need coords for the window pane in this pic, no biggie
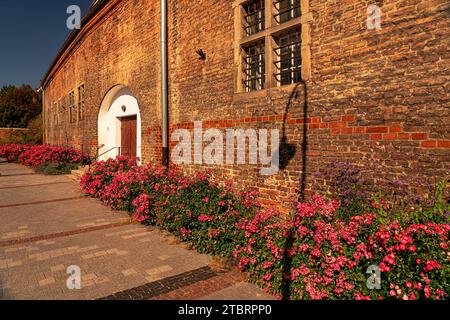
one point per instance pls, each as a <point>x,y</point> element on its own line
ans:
<point>80,113</point>
<point>290,62</point>
<point>287,10</point>
<point>254,67</point>
<point>254,17</point>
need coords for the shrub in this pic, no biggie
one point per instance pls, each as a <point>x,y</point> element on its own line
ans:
<point>101,175</point>
<point>55,168</point>
<point>407,198</point>
<point>321,251</point>
<point>12,151</point>
<point>317,255</point>
<point>45,159</point>
<point>36,155</point>
<point>198,210</point>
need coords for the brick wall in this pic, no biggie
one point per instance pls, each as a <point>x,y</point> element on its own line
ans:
<point>121,49</point>
<point>378,99</point>
<point>7,133</point>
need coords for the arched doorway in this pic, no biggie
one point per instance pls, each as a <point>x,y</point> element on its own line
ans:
<point>119,125</point>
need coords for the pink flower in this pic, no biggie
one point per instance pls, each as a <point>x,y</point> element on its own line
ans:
<point>427,291</point>
<point>384,267</point>
<point>204,218</point>
<point>412,248</point>
<point>431,265</point>
<point>206,200</point>
<point>268,277</point>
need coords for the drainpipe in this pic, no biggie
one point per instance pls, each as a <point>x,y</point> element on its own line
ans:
<point>164,86</point>
<point>41,89</point>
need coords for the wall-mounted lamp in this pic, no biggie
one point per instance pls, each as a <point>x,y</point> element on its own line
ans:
<point>201,54</point>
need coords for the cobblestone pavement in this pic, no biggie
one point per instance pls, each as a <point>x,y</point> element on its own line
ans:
<point>47,225</point>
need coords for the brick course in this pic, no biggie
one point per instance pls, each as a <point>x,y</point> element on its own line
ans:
<point>374,97</point>
<point>7,133</point>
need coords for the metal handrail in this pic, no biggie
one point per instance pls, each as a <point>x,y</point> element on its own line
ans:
<point>99,147</point>
<point>119,148</point>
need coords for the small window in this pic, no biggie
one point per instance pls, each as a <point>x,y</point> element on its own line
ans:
<point>81,103</point>
<point>287,10</point>
<point>72,107</point>
<point>62,109</point>
<point>59,111</point>
<point>254,17</point>
<point>289,63</point>
<point>254,67</point>
<point>55,114</point>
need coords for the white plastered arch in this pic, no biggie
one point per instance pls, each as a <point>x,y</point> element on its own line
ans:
<point>118,103</point>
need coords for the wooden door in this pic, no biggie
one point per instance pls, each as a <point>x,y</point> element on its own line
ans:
<point>129,137</point>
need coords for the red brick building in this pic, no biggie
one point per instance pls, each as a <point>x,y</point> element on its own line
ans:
<point>339,87</point>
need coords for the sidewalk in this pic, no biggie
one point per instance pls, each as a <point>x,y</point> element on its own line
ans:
<point>47,225</point>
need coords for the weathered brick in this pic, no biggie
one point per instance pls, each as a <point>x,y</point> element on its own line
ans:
<point>390,136</point>
<point>429,144</point>
<point>363,84</point>
<point>419,136</point>
<point>376,136</point>
<point>377,130</point>
<point>443,144</point>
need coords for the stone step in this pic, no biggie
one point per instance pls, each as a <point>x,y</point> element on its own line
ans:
<point>77,174</point>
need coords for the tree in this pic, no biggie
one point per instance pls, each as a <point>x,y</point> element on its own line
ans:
<point>18,106</point>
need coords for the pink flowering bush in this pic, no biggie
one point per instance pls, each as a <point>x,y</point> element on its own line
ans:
<point>321,251</point>
<point>203,212</point>
<point>101,174</point>
<point>319,254</point>
<point>37,155</point>
<point>43,156</point>
<point>198,209</point>
<point>11,152</point>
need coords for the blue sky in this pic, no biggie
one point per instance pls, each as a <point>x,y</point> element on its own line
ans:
<point>31,33</point>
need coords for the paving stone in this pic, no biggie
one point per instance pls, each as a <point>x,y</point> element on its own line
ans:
<point>129,272</point>
<point>46,282</point>
<point>117,260</point>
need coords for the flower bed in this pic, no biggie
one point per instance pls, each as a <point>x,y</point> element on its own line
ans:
<point>42,156</point>
<point>329,257</point>
<point>320,252</point>
<point>198,209</point>
<point>11,152</point>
